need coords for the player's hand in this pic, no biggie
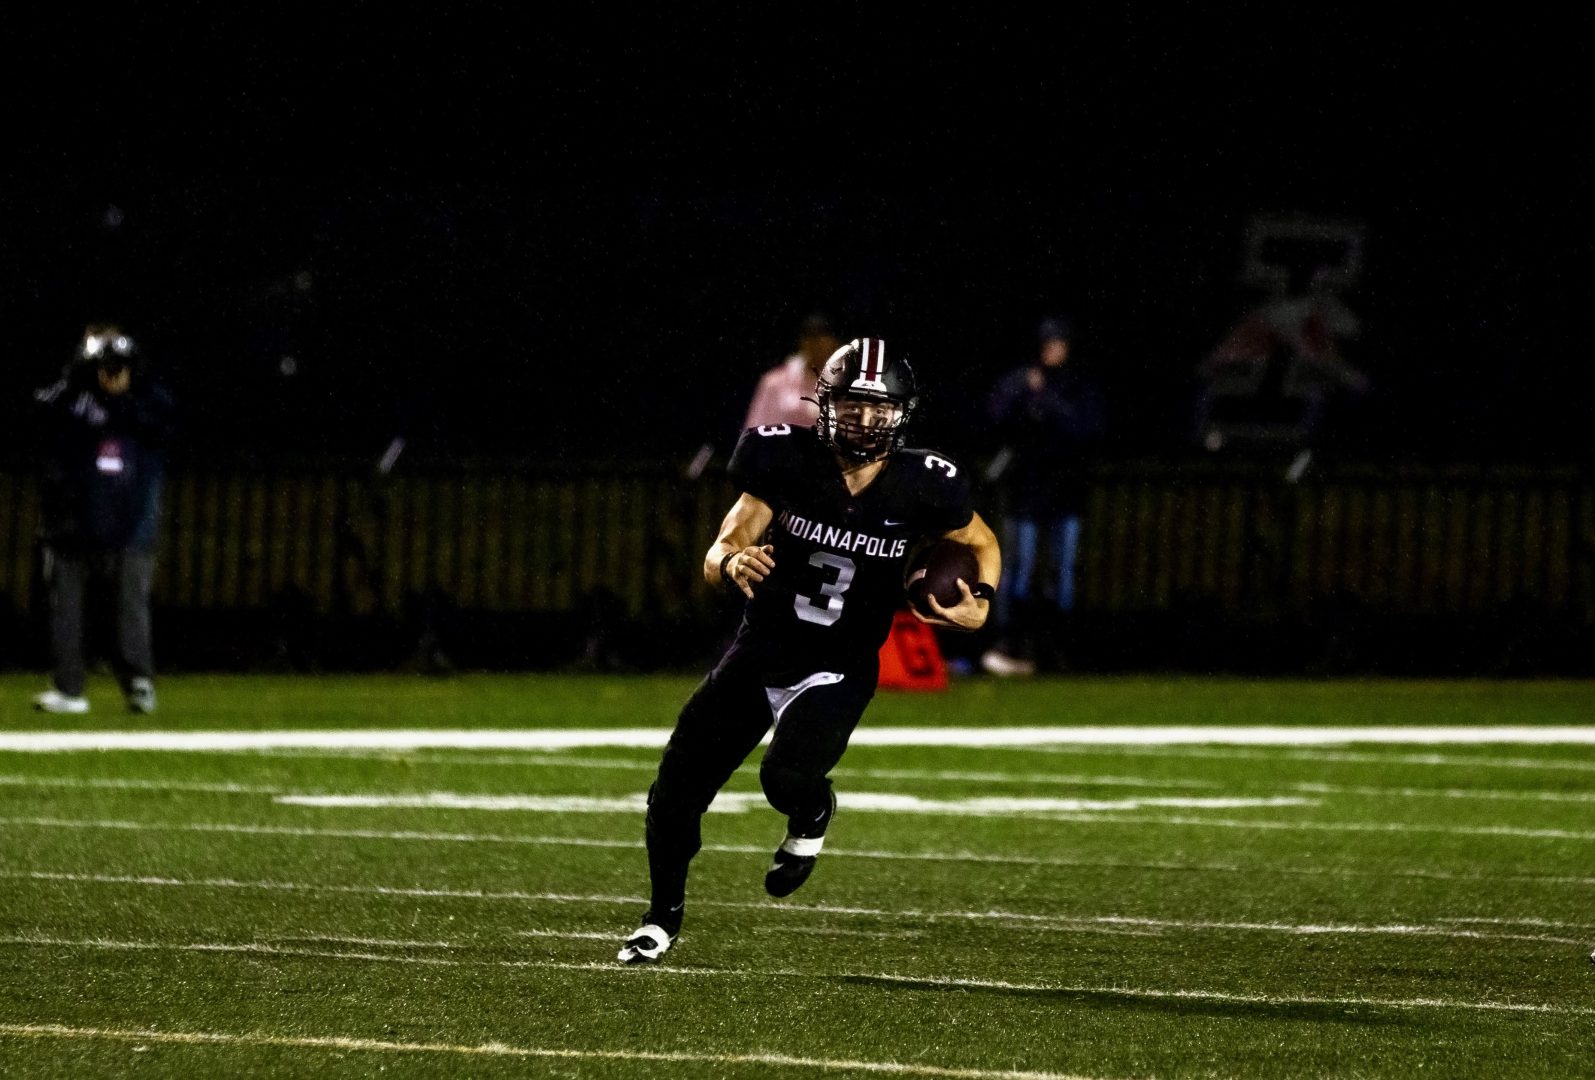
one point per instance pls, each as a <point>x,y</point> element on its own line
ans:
<point>968,615</point>
<point>750,566</point>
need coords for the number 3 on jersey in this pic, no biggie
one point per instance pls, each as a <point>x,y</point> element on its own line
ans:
<point>826,608</point>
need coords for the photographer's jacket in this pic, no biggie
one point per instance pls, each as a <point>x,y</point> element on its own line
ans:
<point>104,460</point>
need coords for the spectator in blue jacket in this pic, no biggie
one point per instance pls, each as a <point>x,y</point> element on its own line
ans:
<point>1048,418</point>
<point>104,430</point>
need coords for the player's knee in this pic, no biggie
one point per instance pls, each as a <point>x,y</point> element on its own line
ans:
<point>672,827</point>
<point>669,804</point>
<point>787,789</point>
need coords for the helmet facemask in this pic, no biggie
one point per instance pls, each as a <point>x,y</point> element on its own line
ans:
<point>862,428</point>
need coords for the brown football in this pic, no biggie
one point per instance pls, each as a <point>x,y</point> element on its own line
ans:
<point>936,570</point>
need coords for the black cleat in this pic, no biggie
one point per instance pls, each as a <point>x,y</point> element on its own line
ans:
<point>795,858</point>
<point>788,872</point>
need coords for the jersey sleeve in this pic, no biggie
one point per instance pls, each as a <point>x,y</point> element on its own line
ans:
<point>764,461</point>
<point>945,492</point>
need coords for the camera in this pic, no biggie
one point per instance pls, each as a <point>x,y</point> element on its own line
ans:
<point>108,349</point>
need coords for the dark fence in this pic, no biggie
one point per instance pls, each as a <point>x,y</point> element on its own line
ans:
<point>1446,570</point>
<point>1197,564</point>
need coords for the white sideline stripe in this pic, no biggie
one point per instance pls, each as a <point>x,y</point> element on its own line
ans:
<point>765,974</point>
<point>749,849</point>
<point>1003,919</point>
<point>735,802</point>
<point>1345,756</point>
<point>503,1050</point>
<point>560,738</point>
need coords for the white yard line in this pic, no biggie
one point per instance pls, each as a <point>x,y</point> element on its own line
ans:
<point>1332,826</point>
<point>345,1044</point>
<point>559,758</point>
<point>520,759</point>
<point>567,935</point>
<point>560,761</point>
<point>736,802</point>
<point>895,934</point>
<point>431,836</point>
<point>1352,757</point>
<point>1085,924</point>
<point>1526,921</point>
<point>988,777</point>
<point>130,784</point>
<point>391,739</point>
<point>654,738</point>
<point>223,948</point>
<point>1486,794</point>
<point>858,800</point>
<point>385,943</point>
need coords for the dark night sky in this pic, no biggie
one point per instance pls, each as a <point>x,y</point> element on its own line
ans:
<point>539,240</point>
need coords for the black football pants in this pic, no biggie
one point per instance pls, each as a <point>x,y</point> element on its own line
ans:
<point>814,716</point>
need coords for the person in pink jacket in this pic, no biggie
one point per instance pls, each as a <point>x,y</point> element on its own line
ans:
<point>782,391</point>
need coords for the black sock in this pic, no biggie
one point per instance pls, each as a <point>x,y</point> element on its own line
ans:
<point>666,916</point>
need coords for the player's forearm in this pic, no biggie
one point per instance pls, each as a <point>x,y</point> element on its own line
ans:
<point>714,557</point>
<point>739,531</point>
<point>988,554</point>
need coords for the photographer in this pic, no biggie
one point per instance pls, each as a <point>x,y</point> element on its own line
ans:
<point>104,427</point>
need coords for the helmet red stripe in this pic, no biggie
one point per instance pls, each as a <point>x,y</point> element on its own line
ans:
<point>873,359</point>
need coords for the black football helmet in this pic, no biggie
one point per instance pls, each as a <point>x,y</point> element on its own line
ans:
<point>866,397</point>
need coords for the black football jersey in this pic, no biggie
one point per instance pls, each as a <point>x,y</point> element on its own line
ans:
<point>839,557</point>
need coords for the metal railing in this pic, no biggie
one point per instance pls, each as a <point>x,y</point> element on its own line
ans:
<point>1411,541</point>
<point>1157,535</point>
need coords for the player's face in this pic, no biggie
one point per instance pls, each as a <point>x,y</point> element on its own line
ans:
<point>867,426</point>
<point>868,415</point>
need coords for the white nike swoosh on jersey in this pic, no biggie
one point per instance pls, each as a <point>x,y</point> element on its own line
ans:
<point>890,522</point>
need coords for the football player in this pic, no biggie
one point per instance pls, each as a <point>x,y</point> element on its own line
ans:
<point>818,541</point>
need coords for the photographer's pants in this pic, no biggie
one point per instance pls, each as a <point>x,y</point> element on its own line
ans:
<point>121,577</point>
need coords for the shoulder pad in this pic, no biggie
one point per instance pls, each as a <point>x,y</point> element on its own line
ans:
<point>764,458</point>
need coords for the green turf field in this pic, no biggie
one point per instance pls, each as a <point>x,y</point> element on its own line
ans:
<point>1362,909</point>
